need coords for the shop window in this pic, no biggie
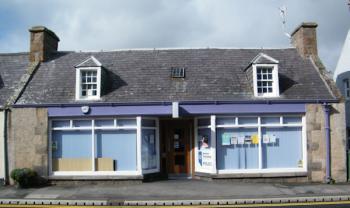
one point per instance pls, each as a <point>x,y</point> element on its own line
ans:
<point>247,120</point>
<point>82,123</point>
<point>226,121</point>
<point>71,151</point>
<point>126,122</point>
<point>148,123</point>
<point>115,150</point>
<point>282,147</point>
<point>203,122</point>
<point>149,149</point>
<point>237,148</point>
<point>291,120</point>
<point>61,124</point>
<point>104,123</point>
<point>270,120</point>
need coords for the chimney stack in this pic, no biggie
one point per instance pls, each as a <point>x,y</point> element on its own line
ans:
<point>43,42</point>
<point>304,39</point>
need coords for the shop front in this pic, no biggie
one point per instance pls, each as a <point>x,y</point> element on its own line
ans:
<point>212,145</point>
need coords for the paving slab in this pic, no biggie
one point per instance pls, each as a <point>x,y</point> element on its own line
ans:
<point>175,190</point>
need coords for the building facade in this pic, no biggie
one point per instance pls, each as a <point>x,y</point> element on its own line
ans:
<point>247,114</point>
<point>342,76</point>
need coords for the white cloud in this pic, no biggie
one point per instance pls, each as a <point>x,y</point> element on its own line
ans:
<point>107,24</point>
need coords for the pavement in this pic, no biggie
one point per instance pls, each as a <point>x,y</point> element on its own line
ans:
<point>188,191</point>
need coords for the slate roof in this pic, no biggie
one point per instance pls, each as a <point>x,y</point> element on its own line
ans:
<point>144,76</point>
<point>12,68</point>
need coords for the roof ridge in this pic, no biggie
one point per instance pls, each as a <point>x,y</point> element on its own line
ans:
<point>181,48</point>
<point>14,54</point>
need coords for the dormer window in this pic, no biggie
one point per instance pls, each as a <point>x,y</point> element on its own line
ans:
<point>265,76</point>
<point>88,80</point>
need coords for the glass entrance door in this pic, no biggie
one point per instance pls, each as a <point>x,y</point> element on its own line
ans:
<point>176,146</point>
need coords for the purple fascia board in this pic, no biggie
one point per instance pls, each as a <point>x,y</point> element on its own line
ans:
<point>242,109</point>
<point>154,110</point>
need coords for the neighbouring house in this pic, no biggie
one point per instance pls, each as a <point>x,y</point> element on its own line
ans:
<point>252,114</point>
<point>342,78</point>
<point>13,78</point>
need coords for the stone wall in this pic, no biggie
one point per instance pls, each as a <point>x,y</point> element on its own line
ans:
<point>28,139</point>
<point>316,142</point>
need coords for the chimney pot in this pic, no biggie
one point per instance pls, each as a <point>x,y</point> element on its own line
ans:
<point>305,40</point>
<point>43,42</point>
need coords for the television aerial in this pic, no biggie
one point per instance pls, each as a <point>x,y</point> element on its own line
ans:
<point>283,14</point>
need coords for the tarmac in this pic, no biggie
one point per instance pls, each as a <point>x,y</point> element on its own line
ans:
<point>176,192</point>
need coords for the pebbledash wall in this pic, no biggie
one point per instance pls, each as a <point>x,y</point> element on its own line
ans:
<point>29,136</point>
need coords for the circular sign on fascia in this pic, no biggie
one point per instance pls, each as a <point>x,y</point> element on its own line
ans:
<point>85,109</point>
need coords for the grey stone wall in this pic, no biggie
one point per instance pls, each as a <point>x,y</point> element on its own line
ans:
<point>316,142</point>
<point>28,139</point>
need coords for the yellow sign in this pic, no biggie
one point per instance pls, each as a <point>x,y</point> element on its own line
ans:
<point>255,139</point>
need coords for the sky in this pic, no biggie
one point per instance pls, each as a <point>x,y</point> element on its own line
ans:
<point>93,25</point>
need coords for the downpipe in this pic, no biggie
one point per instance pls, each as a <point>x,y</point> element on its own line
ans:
<point>326,110</point>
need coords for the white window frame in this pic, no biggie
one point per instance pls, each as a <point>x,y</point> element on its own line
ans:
<point>346,83</point>
<point>259,127</point>
<point>78,83</point>
<point>137,127</point>
<point>275,80</point>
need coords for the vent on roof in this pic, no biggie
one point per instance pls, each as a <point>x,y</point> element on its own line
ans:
<point>177,72</point>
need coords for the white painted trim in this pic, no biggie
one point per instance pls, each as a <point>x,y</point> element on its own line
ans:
<point>213,142</point>
<point>78,88</point>
<point>260,144</point>
<point>346,88</point>
<point>304,143</point>
<point>96,173</point>
<point>98,64</point>
<point>138,145</point>
<point>93,149</point>
<point>275,81</point>
<point>260,55</point>
<point>271,170</point>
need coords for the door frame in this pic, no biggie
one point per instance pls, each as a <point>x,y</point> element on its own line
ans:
<point>164,144</point>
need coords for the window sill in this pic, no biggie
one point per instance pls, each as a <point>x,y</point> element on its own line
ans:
<point>97,177</point>
<point>253,175</point>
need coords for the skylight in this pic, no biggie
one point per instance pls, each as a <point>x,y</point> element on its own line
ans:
<point>178,72</point>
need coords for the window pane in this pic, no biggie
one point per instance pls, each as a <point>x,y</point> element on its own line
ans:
<point>126,122</point>
<point>204,122</point>
<point>104,123</point>
<point>226,121</point>
<point>149,150</point>
<point>237,148</point>
<point>71,151</point>
<point>82,123</point>
<point>60,123</point>
<point>247,120</point>
<point>148,123</point>
<point>270,120</point>
<point>292,120</point>
<point>204,138</point>
<point>282,147</point>
<point>116,150</point>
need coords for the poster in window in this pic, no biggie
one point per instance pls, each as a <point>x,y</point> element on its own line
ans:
<point>204,142</point>
<point>273,138</point>
<point>247,139</point>
<point>226,139</point>
<point>255,139</point>
<point>241,140</point>
<point>151,139</point>
<point>266,139</point>
<point>234,140</point>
